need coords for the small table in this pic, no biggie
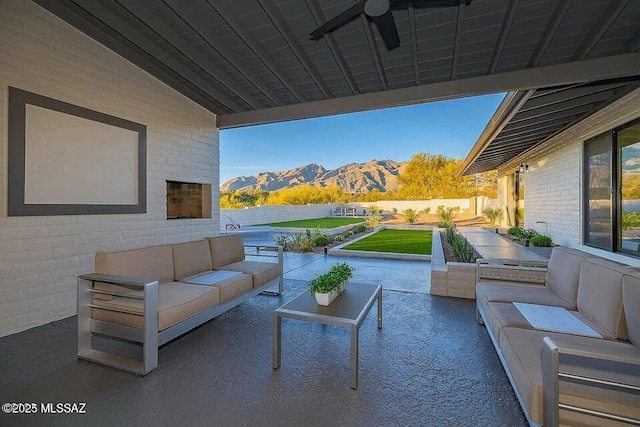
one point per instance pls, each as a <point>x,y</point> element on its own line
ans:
<point>348,310</point>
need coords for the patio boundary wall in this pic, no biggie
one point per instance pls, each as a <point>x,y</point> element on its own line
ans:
<point>276,213</point>
<point>40,257</point>
<point>418,205</point>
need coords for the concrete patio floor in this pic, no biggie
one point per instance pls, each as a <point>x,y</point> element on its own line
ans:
<point>430,365</point>
<point>399,275</point>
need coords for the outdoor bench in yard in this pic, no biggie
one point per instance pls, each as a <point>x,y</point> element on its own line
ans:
<point>153,295</point>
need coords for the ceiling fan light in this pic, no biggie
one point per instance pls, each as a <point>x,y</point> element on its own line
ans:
<point>375,8</point>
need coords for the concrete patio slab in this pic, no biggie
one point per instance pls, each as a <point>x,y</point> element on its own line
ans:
<point>400,275</point>
<point>430,365</point>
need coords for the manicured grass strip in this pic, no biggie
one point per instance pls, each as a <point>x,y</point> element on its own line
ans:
<point>317,223</point>
<point>396,241</point>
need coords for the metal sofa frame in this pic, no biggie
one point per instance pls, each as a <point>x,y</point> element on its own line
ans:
<point>149,336</point>
<point>553,374</point>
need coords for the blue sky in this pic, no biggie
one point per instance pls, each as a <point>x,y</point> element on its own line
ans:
<point>446,127</point>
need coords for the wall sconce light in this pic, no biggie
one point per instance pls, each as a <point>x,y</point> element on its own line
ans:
<point>523,168</point>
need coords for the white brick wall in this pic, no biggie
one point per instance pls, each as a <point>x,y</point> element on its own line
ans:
<point>552,195</point>
<point>40,257</point>
<point>553,184</point>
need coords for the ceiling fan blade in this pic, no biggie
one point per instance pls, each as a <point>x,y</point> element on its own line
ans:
<point>429,3</point>
<point>338,21</point>
<point>388,30</point>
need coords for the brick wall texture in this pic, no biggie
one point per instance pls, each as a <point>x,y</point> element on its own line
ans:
<point>553,183</point>
<point>40,257</point>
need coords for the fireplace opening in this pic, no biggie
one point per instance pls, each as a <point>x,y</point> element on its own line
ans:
<point>188,200</point>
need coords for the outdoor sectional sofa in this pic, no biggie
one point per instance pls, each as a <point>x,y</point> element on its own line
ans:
<point>155,294</point>
<point>564,378</point>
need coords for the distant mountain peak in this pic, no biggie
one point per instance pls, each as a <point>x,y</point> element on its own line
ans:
<point>379,175</point>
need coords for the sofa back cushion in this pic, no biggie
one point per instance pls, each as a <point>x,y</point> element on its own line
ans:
<point>563,273</point>
<point>226,249</point>
<point>191,258</point>
<point>631,303</point>
<point>155,263</point>
<point>600,294</point>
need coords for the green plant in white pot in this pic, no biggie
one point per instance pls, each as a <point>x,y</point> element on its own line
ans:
<point>326,287</point>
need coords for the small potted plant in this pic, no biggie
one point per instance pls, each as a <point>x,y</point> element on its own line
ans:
<point>326,287</point>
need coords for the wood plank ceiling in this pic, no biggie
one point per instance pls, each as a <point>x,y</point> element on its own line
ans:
<point>234,56</point>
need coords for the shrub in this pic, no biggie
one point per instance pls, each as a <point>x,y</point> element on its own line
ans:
<point>446,215</point>
<point>540,241</point>
<point>462,250</point>
<point>449,235</point>
<point>372,220</point>
<point>317,232</point>
<point>282,240</point>
<point>338,239</point>
<point>493,215</point>
<point>426,211</point>
<point>527,234</point>
<point>395,210</point>
<point>360,228</point>
<point>410,215</point>
<point>322,240</point>
<point>302,242</point>
<point>347,234</point>
<point>514,231</point>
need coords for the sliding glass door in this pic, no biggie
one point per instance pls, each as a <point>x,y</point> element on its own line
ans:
<point>598,192</point>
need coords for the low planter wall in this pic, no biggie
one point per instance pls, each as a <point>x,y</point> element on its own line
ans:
<point>450,279</point>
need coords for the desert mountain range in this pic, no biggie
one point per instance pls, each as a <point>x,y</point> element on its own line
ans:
<point>352,178</point>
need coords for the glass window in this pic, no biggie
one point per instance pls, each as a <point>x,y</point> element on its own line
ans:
<point>628,143</point>
<point>598,200</point>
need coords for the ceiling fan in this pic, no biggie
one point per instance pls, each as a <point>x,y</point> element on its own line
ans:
<point>379,11</point>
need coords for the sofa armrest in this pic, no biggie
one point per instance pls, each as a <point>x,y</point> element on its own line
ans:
<point>134,282</point>
<point>528,272</point>
<point>552,374</point>
<point>148,336</point>
<point>272,251</point>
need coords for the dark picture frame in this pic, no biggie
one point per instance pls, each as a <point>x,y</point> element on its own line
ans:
<point>18,101</point>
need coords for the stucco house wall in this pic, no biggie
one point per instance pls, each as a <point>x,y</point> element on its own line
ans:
<point>40,257</point>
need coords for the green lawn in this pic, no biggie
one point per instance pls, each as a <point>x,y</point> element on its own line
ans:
<point>396,241</point>
<point>317,223</point>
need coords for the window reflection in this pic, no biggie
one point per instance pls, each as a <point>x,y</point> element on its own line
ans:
<point>629,167</point>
